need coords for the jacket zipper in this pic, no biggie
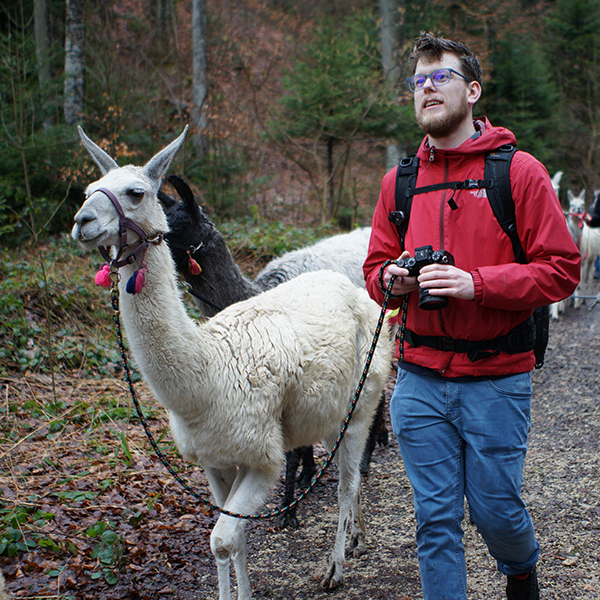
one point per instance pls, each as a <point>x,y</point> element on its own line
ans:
<point>442,202</point>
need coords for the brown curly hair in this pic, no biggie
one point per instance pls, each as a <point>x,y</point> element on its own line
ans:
<point>430,47</point>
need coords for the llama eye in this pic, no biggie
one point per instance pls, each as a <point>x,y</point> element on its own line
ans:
<point>136,193</point>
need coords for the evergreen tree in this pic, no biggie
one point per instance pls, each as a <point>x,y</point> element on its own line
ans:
<point>521,96</point>
<point>573,37</point>
<point>334,95</point>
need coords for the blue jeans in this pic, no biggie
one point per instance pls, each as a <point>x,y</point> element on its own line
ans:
<point>465,439</point>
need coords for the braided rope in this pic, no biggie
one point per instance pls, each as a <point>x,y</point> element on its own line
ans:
<point>164,460</point>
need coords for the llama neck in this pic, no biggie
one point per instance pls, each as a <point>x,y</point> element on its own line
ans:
<point>221,281</point>
<point>164,340</point>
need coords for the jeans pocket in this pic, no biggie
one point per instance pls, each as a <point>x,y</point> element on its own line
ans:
<point>401,374</point>
<point>513,385</point>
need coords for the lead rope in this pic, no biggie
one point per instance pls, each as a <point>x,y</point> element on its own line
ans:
<point>164,460</point>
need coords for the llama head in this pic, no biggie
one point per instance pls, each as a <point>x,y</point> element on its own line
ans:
<point>190,230</point>
<point>576,203</point>
<point>135,188</point>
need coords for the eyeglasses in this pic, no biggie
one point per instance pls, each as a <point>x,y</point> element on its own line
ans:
<point>438,78</point>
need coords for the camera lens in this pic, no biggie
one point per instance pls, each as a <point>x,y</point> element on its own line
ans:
<point>429,302</point>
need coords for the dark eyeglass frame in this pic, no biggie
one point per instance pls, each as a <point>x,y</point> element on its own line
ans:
<point>413,87</point>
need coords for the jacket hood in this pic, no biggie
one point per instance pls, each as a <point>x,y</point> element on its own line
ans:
<point>491,138</point>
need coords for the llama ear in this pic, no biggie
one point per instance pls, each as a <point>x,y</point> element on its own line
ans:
<point>101,158</point>
<point>557,177</point>
<point>155,168</point>
<point>570,196</point>
<point>186,194</point>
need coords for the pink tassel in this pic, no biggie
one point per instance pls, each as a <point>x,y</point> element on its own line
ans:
<point>139,281</point>
<point>193,267</point>
<point>103,276</point>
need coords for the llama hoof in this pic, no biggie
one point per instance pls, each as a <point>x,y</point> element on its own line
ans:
<point>288,519</point>
<point>356,547</point>
<point>332,580</point>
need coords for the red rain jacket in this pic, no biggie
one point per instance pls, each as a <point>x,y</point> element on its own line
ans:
<point>505,292</point>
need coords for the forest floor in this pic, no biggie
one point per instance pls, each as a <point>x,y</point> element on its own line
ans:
<point>98,517</point>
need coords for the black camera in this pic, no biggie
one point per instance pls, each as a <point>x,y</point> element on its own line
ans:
<point>425,255</point>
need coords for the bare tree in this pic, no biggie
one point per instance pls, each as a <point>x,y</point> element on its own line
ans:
<point>393,40</point>
<point>42,41</point>
<point>164,23</point>
<point>74,61</point>
<point>42,52</point>
<point>199,76</point>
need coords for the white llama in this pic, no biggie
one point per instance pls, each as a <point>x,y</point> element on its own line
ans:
<point>215,281</point>
<point>575,224</point>
<point>265,375</point>
<point>589,246</point>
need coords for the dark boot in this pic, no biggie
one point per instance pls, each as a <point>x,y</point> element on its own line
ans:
<point>523,589</point>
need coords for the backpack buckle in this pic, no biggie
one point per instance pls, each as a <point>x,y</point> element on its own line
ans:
<point>472,184</point>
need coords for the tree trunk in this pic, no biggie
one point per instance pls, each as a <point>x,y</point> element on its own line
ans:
<point>42,41</point>
<point>74,61</point>
<point>42,52</point>
<point>393,40</point>
<point>199,77</point>
<point>164,27</point>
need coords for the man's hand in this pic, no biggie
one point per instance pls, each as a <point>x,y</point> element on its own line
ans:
<point>446,280</point>
<point>403,283</point>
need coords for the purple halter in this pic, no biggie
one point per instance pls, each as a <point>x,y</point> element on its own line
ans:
<point>125,224</point>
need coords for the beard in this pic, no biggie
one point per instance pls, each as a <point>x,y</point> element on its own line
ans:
<point>440,126</point>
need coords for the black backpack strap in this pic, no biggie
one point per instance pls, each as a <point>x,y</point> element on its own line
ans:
<point>497,178</point>
<point>406,181</point>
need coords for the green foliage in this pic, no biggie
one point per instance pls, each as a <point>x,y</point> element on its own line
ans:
<point>224,177</point>
<point>108,551</point>
<point>522,97</point>
<point>334,90</point>
<point>18,529</point>
<point>573,42</point>
<point>34,150</point>
<point>67,304</point>
<point>334,95</point>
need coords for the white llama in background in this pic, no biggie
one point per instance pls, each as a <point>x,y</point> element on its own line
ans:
<point>574,219</point>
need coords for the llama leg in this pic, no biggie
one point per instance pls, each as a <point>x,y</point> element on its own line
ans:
<point>348,461</point>
<point>221,482</point>
<point>308,466</point>
<point>288,519</point>
<point>377,432</point>
<point>556,308</point>
<point>358,533</point>
<point>228,538</point>
<point>358,530</point>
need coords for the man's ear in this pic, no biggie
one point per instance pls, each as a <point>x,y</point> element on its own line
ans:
<point>474,92</point>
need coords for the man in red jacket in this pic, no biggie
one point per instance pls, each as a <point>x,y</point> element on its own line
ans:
<point>462,417</point>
